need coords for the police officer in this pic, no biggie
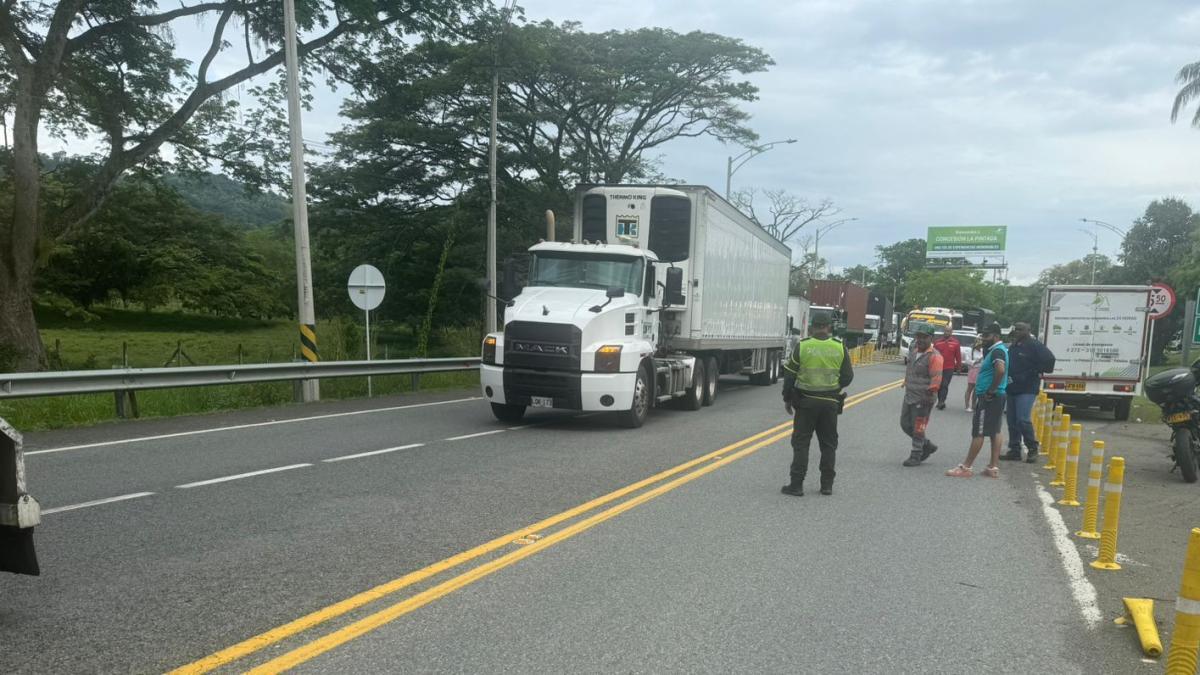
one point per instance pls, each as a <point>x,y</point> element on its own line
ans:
<point>814,376</point>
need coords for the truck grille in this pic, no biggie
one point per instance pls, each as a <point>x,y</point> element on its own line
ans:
<point>521,385</point>
<point>550,346</point>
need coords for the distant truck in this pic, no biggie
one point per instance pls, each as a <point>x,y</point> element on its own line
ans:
<point>1100,339</point>
<point>846,296</point>
<point>662,290</point>
<point>872,324</point>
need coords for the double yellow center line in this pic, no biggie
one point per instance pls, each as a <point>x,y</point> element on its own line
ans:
<point>531,536</point>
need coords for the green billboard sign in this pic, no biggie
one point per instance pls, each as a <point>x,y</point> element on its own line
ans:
<point>944,242</point>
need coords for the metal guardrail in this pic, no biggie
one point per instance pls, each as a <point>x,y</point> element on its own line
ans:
<point>20,385</point>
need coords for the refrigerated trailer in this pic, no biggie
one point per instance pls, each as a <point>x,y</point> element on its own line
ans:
<point>1100,339</point>
<point>661,290</point>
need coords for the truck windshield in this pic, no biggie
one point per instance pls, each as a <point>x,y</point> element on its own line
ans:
<point>590,271</point>
<point>871,324</point>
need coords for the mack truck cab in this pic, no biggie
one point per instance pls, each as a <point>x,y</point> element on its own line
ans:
<point>662,290</point>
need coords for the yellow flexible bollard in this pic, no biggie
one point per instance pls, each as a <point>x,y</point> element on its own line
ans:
<point>1044,447</point>
<point>1091,510</point>
<point>1112,516</point>
<point>1185,641</point>
<point>1141,612</point>
<point>1037,423</point>
<point>1071,496</point>
<point>1052,436</point>
<point>1060,451</point>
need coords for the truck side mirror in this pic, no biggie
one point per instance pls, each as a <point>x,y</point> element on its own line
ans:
<point>651,280</point>
<point>615,292</point>
<point>508,286</point>
<point>673,289</point>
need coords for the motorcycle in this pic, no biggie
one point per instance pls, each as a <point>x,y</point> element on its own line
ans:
<point>1174,391</point>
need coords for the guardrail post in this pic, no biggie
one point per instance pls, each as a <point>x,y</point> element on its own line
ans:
<point>19,512</point>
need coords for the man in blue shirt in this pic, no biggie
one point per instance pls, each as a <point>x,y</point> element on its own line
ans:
<point>1028,361</point>
<point>990,388</point>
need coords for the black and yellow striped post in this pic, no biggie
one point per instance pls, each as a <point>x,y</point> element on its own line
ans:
<point>308,342</point>
<point>308,390</point>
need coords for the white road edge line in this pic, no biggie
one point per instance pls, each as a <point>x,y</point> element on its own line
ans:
<point>253,425</point>
<point>482,433</point>
<point>1081,588</point>
<point>374,452</point>
<point>241,475</point>
<point>97,502</point>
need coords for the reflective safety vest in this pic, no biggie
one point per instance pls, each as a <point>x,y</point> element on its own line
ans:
<point>817,364</point>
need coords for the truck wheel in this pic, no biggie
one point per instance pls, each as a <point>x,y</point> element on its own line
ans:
<point>712,373</point>
<point>1122,409</point>
<point>508,413</point>
<point>640,407</point>
<point>694,398</point>
<point>775,367</point>
<point>1184,456</point>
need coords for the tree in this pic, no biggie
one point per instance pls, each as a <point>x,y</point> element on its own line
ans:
<point>898,261</point>
<point>1189,78</point>
<point>1080,271</point>
<point>574,106</point>
<point>1157,247</point>
<point>786,213</point>
<point>110,70</point>
<point>948,288</point>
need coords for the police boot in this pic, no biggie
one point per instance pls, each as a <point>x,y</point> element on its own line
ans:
<point>827,488</point>
<point>794,488</point>
<point>914,459</point>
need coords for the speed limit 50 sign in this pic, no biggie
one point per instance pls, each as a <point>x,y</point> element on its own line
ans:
<point>1162,301</point>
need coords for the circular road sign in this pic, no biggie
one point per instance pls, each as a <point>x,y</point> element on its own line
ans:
<point>366,287</point>
<point>1162,301</point>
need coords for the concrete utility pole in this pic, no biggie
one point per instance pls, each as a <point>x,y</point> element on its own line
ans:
<point>489,321</point>
<point>307,315</point>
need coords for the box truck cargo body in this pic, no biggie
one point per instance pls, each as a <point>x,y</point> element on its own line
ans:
<point>1100,338</point>
<point>662,290</point>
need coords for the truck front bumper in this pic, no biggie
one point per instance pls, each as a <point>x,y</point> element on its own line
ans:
<point>568,390</point>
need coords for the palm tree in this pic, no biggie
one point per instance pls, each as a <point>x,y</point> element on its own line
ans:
<point>1189,77</point>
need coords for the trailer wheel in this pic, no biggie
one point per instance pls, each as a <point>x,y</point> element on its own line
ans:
<point>640,407</point>
<point>712,373</point>
<point>1122,409</point>
<point>775,357</point>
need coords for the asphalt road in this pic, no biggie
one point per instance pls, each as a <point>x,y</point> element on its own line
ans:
<point>708,569</point>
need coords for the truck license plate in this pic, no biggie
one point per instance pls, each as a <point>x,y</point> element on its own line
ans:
<point>1178,417</point>
<point>1076,386</point>
<point>542,402</point>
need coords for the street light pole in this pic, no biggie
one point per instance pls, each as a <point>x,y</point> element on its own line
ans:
<point>825,228</point>
<point>310,389</point>
<point>753,151</point>
<point>1095,250</point>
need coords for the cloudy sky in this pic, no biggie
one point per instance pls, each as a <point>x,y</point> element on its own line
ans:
<point>912,113</point>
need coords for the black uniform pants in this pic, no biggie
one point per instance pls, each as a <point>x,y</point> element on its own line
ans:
<point>820,417</point>
<point>944,390</point>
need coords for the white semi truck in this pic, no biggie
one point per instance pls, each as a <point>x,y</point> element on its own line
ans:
<point>661,290</point>
<point>1100,339</point>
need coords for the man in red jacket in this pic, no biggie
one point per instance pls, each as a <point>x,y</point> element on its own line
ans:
<point>951,350</point>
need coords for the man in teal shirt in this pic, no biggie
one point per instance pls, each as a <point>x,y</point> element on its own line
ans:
<point>989,411</point>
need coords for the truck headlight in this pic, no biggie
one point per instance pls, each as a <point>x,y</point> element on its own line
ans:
<point>489,350</point>
<point>608,359</point>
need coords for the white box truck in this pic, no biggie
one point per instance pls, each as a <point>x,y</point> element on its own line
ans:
<point>662,290</point>
<point>1100,339</point>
